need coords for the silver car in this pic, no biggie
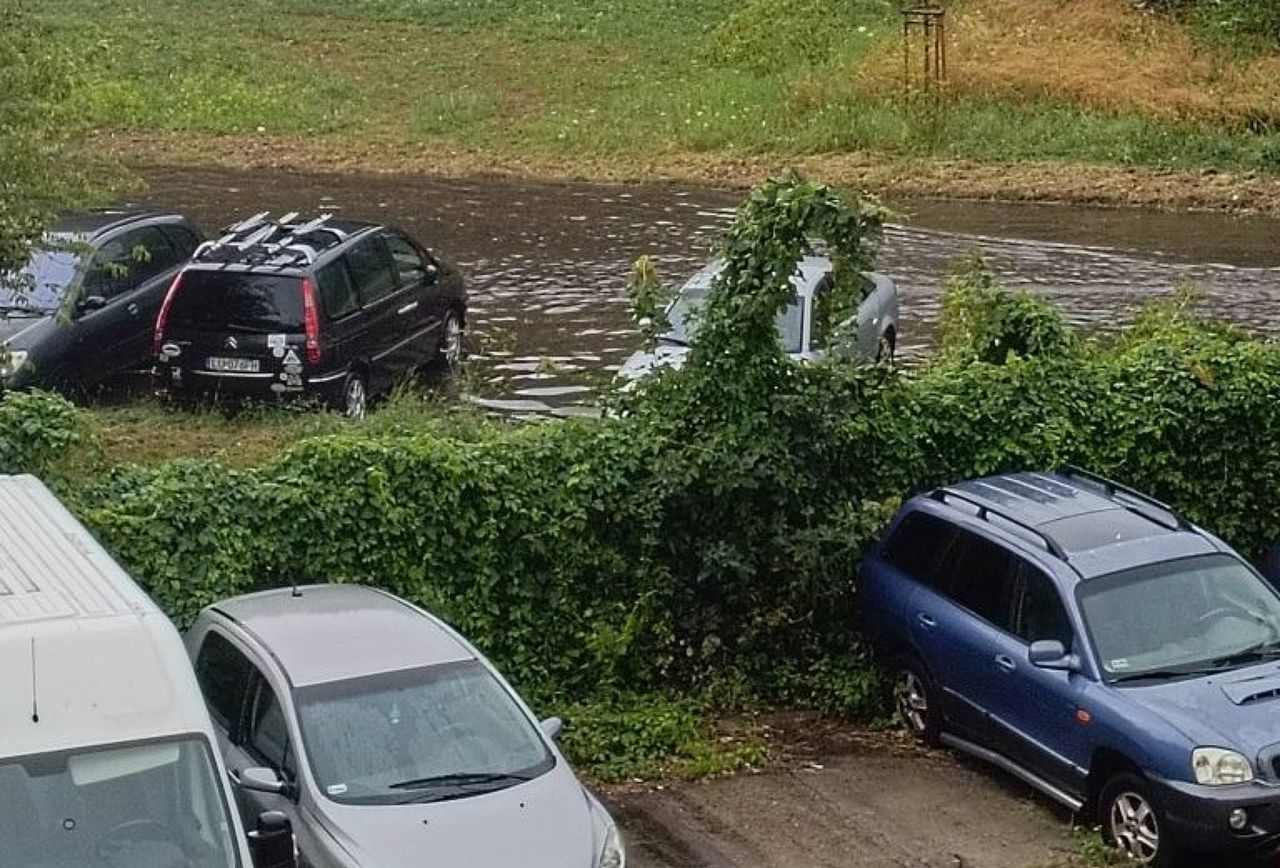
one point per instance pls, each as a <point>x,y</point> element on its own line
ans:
<point>386,738</point>
<point>871,334</point>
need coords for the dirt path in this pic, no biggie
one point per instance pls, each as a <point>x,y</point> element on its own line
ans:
<point>887,175</point>
<point>875,804</point>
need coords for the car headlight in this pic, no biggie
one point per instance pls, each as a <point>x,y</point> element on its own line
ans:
<point>11,361</point>
<point>612,855</point>
<point>1219,767</point>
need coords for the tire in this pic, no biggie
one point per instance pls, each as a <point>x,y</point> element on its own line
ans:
<point>449,353</point>
<point>1134,823</point>
<point>354,399</point>
<point>916,700</point>
<point>885,347</point>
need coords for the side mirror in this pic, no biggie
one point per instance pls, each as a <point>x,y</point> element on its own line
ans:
<point>1052,654</point>
<point>271,844</point>
<point>552,727</point>
<point>260,780</point>
<point>91,302</point>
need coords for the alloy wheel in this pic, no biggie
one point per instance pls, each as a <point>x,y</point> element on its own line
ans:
<point>357,400</point>
<point>452,341</point>
<point>913,701</point>
<point>1134,827</point>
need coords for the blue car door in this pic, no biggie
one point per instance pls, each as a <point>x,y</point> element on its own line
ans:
<point>960,626</point>
<point>1035,712</point>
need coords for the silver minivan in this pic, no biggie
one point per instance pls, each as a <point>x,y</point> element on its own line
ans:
<point>390,741</point>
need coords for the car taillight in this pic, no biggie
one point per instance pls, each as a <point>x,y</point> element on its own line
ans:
<point>157,340</point>
<point>311,321</point>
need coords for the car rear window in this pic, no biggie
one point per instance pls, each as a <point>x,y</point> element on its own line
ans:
<point>238,302</point>
<point>919,546</point>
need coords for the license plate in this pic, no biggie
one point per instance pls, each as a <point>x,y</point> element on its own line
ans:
<point>232,366</point>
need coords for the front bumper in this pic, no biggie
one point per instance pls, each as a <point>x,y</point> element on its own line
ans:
<point>1197,816</point>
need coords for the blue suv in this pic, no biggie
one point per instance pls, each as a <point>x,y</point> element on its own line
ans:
<point>1090,641</point>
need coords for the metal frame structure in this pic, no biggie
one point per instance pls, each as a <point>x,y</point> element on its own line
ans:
<point>931,23</point>
<point>259,240</point>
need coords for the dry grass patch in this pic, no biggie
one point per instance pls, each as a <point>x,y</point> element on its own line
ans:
<point>1100,54</point>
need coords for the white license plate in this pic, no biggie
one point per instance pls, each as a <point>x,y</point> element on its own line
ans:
<point>232,366</point>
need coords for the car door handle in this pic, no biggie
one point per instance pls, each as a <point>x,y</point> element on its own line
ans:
<point>1005,663</point>
<point>925,621</point>
<point>132,308</point>
<point>408,308</point>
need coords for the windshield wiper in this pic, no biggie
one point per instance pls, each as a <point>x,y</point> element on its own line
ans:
<point>460,778</point>
<point>1261,651</point>
<point>671,339</point>
<point>1163,674</point>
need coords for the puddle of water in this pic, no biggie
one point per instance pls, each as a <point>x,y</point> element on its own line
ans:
<point>547,263</point>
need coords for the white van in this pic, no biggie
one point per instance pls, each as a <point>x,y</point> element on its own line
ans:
<point>107,755</point>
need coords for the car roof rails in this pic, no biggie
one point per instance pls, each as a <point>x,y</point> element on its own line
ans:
<point>259,240</point>
<point>1131,499</point>
<point>986,512</point>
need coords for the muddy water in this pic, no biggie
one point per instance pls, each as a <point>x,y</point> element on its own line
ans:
<point>547,263</point>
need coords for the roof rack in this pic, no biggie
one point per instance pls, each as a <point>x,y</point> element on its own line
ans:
<point>985,513</point>
<point>259,240</point>
<point>1124,495</point>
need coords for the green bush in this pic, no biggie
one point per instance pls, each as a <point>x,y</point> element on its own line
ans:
<point>38,432</point>
<point>703,540</point>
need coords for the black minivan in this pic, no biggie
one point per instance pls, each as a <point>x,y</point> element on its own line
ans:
<point>328,308</point>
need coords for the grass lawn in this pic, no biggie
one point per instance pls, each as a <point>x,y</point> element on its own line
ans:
<point>632,80</point>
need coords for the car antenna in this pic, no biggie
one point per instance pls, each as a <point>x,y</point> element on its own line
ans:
<point>35,708</point>
<point>296,592</point>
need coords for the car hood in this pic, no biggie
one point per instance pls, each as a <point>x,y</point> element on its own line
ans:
<point>16,330</point>
<point>663,355</point>
<point>1238,709</point>
<point>545,823</point>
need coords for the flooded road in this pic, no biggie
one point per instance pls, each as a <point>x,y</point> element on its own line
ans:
<point>547,262</point>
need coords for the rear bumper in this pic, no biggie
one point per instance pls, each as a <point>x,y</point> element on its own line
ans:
<point>1197,816</point>
<point>188,384</point>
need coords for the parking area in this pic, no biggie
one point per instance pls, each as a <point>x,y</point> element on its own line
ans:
<point>843,798</point>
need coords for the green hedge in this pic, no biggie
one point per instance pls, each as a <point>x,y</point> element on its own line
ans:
<point>703,540</point>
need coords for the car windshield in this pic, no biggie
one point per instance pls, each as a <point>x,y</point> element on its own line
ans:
<point>41,284</point>
<point>154,804</point>
<point>237,301</point>
<point>682,316</point>
<point>1182,617</point>
<point>440,732</point>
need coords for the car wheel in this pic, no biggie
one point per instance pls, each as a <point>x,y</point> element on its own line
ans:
<point>916,700</point>
<point>1133,822</point>
<point>355,396</point>
<point>885,347</point>
<point>449,355</point>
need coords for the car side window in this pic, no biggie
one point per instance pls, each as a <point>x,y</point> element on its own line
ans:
<point>223,674</point>
<point>129,260</point>
<point>337,294</point>
<point>819,314</point>
<point>267,736</point>
<point>184,240</point>
<point>920,545</point>
<point>372,270</point>
<point>1041,613</point>
<point>983,577</point>
<point>409,263</point>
